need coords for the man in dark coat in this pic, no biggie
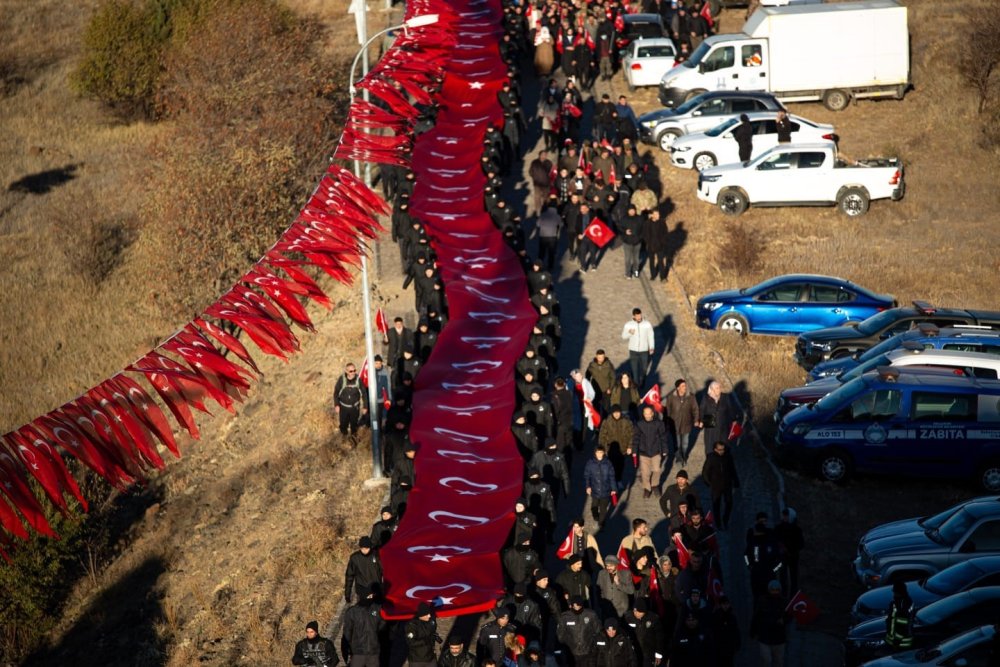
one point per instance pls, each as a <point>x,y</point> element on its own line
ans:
<point>630,230</point>
<point>680,490</point>
<point>616,437</point>
<point>789,535</point>
<point>526,612</point>
<point>562,410</point>
<point>681,409</point>
<point>421,637</point>
<point>383,529</point>
<point>578,630</point>
<point>490,643</point>
<point>716,417</point>
<point>314,649</point>
<point>396,340</point>
<point>520,562</point>
<point>364,571</point>
<point>574,581</point>
<point>719,472</point>
<point>361,642</point>
<point>540,172</point>
<point>743,134</point>
<point>552,464</point>
<point>350,400</point>
<point>614,648</point>
<point>762,556</point>
<point>650,443</point>
<point>455,655</point>
<point>726,631</point>
<point>599,479</point>
<point>648,636</point>
<point>693,644</point>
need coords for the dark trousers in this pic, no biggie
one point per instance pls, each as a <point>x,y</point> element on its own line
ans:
<point>631,258</point>
<point>588,254</point>
<point>790,573</point>
<point>639,362</point>
<point>657,265</point>
<point>364,661</point>
<point>547,250</point>
<point>350,419</point>
<point>746,149</point>
<point>722,516</point>
<point>599,508</point>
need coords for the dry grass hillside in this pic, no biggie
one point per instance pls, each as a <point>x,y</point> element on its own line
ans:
<point>225,556</point>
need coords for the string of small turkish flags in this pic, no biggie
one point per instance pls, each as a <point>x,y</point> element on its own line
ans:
<point>117,428</point>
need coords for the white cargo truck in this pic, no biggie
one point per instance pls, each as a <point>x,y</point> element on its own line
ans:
<point>816,52</point>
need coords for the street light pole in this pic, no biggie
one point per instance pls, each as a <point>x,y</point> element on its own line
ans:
<point>373,397</point>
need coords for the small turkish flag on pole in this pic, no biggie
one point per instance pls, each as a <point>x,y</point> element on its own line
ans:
<point>735,431</point>
<point>363,376</point>
<point>652,398</point>
<point>381,324</point>
<point>599,233</point>
<point>566,548</point>
<point>386,403</point>
<point>804,609</point>
<point>624,561</point>
<point>683,554</point>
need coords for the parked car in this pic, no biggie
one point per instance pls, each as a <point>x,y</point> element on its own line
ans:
<point>802,175</point>
<point>933,624</point>
<point>702,150</point>
<point>638,26</point>
<point>647,59</point>
<point>916,548</point>
<point>700,113</point>
<point>813,347</point>
<point>971,648</point>
<point>964,576</point>
<point>912,356</point>
<point>890,422</point>
<point>963,337</point>
<point>789,304</point>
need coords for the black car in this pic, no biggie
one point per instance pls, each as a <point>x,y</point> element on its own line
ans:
<point>638,26</point>
<point>963,576</point>
<point>932,624</point>
<point>972,648</point>
<point>812,347</point>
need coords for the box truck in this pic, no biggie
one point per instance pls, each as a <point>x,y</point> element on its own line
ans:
<point>826,52</point>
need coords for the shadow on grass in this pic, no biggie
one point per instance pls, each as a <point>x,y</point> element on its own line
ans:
<point>44,182</point>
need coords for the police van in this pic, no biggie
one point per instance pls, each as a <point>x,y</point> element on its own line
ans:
<point>900,421</point>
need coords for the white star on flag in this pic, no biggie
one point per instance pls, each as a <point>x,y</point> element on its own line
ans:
<point>476,85</point>
<point>439,557</point>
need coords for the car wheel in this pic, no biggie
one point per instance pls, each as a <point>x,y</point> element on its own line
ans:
<point>836,99</point>
<point>667,139</point>
<point>840,354</point>
<point>853,202</point>
<point>703,161</point>
<point>732,202</point>
<point>988,477</point>
<point>834,465</point>
<point>733,322</point>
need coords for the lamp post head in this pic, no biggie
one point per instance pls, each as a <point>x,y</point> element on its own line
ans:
<point>421,20</point>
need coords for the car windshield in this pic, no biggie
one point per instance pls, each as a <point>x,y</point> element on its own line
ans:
<point>716,131</point>
<point>952,530</point>
<point>888,345</point>
<point>953,579</point>
<point>861,369</point>
<point>689,105</point>
<point>698,54</point>
<point>877,322</point>
<point>934,521</point>
<point>938,611</point>
<point>841,396</point>
<point>639,30</point>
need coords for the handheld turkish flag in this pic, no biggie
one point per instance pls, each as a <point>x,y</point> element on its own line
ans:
<point>612,177</point>
<point>614,499</point>
<point>566,548</point>
<point>380,323</point>
<point>652,398</point>
<point>599,233</point>
<point>386,403</point>
<point>706,13</point>
<point>624,562</point>
<point>715,590</point>
<point>735,431</point>
<point>683,554</point>
<point>364,373</point>
<point>804,609</point>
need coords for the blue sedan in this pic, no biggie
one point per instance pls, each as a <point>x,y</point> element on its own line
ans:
<point>790,304</point>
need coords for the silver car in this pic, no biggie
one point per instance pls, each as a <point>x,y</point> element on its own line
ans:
<point>701,113</point>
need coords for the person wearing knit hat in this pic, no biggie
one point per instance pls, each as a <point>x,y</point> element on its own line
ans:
<point>578,629</point>
<point>646,628</point>
<point>493,635</point>
<point>315,649</point>
<point>421,637</point>
<point>454,654</point>
<point>614,647</point>
<point>363,627</point>
<point>364,570</point>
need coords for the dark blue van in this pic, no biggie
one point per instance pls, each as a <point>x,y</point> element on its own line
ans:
<point>900,422</point>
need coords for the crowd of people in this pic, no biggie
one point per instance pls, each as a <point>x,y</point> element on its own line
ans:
<point>645,604</point>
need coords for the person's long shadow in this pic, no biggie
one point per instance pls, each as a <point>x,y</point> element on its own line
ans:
<point>119,628</point>
<point>676,238</point>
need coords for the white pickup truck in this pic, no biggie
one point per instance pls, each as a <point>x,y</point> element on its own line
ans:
<point>802,175</point>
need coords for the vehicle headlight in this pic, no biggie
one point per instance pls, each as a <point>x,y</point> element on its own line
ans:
<point>801,429</point>
<point>826,347</point>
<point>650,123</point>
<point>712,305</point>
<point>681,149</point>
<point>825,374</point>
<point>710,178</point>
<point>868,643</point>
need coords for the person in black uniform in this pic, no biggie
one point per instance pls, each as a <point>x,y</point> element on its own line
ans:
<point>743,134</point>
<point>361,643</point>
<point>613,648</point>
<point>314,649</point>
<point>455,655</point>
<point>364,571</point>
<point>492,636</point>
<point>421,637</point>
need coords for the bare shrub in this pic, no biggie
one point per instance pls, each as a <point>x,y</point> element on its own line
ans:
<point>741,250</point>
<point>980,55</point>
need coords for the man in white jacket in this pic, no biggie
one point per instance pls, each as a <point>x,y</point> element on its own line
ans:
<point>639,334</point>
